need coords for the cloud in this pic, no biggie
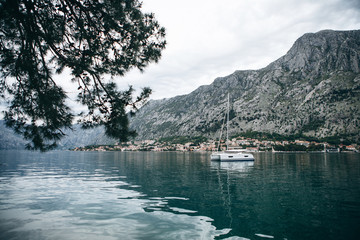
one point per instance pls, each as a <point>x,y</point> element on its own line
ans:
<point>209,39</point>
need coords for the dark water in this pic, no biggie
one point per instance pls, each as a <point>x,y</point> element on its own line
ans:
<point>115,195</point>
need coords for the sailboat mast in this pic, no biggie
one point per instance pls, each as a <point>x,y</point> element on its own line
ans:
<point>227,122</point>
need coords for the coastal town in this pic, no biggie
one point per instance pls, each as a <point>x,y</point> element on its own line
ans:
<point>250,144</point>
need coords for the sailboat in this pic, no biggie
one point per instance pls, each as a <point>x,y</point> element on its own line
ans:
<point>230,155</point>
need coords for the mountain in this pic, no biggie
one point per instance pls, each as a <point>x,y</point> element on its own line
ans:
<point>77,137</point>
<point>313,90</point>
<point>8,139</point>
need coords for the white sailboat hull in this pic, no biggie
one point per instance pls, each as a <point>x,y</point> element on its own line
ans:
<point>231,156</point>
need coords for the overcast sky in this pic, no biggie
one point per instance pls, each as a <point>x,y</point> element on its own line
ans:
<point>211,38</point>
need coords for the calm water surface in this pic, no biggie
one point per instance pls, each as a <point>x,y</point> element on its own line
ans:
<point>144,195</point>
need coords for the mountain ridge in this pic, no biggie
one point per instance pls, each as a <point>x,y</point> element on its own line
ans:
<point>313,89</point>
<point>75,137</point>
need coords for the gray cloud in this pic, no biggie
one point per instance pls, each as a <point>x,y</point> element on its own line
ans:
<point>209,39</point>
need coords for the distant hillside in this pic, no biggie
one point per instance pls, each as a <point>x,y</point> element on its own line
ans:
<point>313,90</point>
<point>8,139</point>
<point>79,137</point>
<point>76,138</point>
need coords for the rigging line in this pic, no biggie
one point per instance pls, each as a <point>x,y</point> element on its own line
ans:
<point>221,131</point>
<point>227,122</point>
<point>226,115</point>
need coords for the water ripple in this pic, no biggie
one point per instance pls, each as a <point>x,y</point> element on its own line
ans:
<point>48,204</point>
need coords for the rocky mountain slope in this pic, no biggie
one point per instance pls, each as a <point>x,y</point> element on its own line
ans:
<point>313,90</point>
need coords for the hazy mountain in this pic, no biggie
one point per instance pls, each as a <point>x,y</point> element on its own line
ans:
<point>314,89</point>
<point>8,139</point>
<point>77,137</point>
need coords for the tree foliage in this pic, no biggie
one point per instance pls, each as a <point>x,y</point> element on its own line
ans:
<point>94,39</point>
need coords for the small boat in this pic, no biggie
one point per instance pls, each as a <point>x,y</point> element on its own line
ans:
<point>230,155</point>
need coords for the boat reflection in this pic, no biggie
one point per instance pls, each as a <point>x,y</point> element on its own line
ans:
<point>242,166</point>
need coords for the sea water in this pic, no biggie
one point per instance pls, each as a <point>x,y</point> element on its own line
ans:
<point>172,195</point>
